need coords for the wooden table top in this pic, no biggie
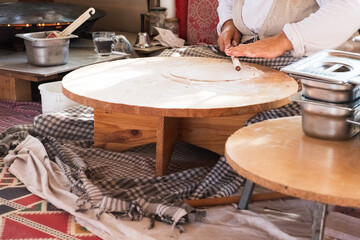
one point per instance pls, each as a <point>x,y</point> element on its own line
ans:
<point>278,155</point>
<point>140,86</point>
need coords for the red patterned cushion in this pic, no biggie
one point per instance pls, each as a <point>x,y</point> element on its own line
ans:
<point>202,20</point>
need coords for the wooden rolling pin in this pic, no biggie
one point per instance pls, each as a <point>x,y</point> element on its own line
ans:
<point>207,202</point>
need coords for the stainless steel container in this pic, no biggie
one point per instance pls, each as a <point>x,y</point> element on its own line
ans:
<point>329,75</point>
<point>327,120</point>
<point>42,51</point>
<point>329,92</point>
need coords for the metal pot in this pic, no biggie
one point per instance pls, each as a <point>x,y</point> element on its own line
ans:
<point>327,120</point>
<point>329,92</point>
<point>42,51</point>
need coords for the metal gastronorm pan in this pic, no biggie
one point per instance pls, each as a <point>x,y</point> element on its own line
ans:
<point>328,91</point>
<point>328,66</point>
<point>327,120</point>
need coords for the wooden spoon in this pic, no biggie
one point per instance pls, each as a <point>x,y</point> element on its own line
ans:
<point>73,26</point>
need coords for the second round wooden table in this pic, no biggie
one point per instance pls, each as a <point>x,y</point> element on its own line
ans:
<point>135,103</point>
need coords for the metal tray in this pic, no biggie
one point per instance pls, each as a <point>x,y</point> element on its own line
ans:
<point>333,66</point>
<point>327,120</point>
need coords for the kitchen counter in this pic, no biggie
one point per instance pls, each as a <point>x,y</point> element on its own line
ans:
<point>16,74</point>
<point>78,57</point>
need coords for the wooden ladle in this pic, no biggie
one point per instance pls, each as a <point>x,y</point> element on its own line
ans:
<point>73,26</point>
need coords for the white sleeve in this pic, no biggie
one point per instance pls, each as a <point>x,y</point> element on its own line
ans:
<point>225,12</point>
<point>329,27</point>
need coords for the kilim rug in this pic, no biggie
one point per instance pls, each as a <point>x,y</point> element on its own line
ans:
<point>23,214</point>
<point>14,113</point>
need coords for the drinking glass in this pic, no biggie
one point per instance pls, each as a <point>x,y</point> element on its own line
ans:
<point>104,42</point>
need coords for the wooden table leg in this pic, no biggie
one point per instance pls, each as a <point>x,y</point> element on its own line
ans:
<point>166,140</point>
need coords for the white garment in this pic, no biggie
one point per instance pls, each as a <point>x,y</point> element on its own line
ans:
<point>253,15</point>
<point>312,33</point>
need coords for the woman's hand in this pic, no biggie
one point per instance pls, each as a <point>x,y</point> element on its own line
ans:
<point>267,48</point>
<point>229,36</point>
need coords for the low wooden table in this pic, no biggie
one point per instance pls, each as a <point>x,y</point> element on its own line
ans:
<point>135,104</point>
<point>279,156</point>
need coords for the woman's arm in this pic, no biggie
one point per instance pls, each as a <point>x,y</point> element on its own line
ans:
<point>332,25</point>
<point>228,33</point>
<point>267,48</point>
<point>225,13</point>
<point>329,27</point>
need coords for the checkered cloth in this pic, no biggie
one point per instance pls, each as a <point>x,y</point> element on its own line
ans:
<point>213,51</point>
<point>11,137</point>
<point>124,183</point>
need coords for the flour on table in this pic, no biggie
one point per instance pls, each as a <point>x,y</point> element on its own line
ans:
<point>213,72</point>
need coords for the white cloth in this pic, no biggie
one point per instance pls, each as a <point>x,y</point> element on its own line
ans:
<point>288,219</point>
<point>277,220</point>
<point>314,32</point>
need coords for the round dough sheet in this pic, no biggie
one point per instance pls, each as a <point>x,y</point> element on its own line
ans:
<point>213,72</point>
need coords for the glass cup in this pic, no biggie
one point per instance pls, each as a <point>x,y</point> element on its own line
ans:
<point>104,42</point>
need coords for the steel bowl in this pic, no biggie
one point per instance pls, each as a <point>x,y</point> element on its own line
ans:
<point>329,121</point>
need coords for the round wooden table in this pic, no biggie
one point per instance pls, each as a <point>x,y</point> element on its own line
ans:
<point>278,155</point>
<point>136,102</point>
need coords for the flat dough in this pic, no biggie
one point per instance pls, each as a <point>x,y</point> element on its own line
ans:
<point>213,72</point>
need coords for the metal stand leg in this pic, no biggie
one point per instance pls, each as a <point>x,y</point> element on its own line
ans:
<point>318,226</point>
<point>246,194</point>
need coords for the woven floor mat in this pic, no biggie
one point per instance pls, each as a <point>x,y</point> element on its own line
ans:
<point>24,215</point>
<point>14,113</point>
<point>27,216</point>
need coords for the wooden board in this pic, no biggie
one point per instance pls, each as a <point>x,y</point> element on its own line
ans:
<point>121,131</point>
<point>14,89</point>
<point>278,155</point>
<point>138,86</point>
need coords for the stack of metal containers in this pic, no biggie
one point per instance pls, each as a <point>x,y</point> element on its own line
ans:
<point>330,96</point>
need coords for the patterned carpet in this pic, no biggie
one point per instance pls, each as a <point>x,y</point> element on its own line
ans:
<point>23,214</point>
<point>14,113</point>
<point>26,216</point>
